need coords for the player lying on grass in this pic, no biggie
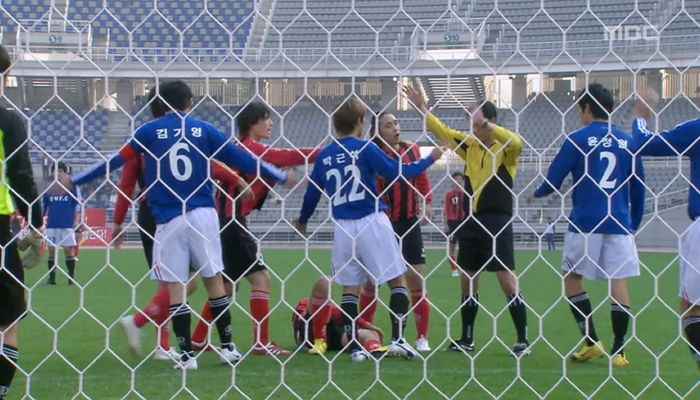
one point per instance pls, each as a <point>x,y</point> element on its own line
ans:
<point>364,245</point>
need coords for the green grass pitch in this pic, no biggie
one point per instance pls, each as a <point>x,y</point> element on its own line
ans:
<point>87,357</point>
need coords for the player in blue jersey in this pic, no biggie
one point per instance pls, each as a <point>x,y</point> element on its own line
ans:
<point>684,140</point>
<point>364,246</point>
<point>177,151</point>
<point>608,203</point>
<point>62,208</point>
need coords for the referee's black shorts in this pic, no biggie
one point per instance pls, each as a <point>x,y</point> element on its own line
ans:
<point>147,230</point>
<point>12,302</point>
<point>411,240</point>
<point>486,243</point>
<point>453,225</point>
<point>239,249</point>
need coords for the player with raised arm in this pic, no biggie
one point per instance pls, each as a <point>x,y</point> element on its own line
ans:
<point>62,208</point>
<point>17,189</point>
<point>683,140</point>
<point>608,204</point>
<point>240,250</point>
<point>491,156</point>
<point>364,245</point>
<point>177,149</point>
<point>407,199</point>
<point>453,216</point>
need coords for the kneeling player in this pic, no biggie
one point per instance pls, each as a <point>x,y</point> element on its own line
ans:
<point>318,319</point>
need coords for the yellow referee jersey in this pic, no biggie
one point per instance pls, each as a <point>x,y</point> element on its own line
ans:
<point>489,171</point>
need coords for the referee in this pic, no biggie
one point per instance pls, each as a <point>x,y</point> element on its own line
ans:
<point>17,184</point>
<point>486,238</point>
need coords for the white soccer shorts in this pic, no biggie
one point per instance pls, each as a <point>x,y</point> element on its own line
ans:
<point>365,249</point>
<point>60,237</point>
<point>599,256</point>
<point>187,241</point>
<point>689,288</point>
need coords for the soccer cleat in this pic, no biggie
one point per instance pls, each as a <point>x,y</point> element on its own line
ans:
<point>422,344</point>
<point>588,352</point>
<point>379,353</point>
<point>358,355</point>
<point>189,364</point>
<point>455,274</point>
<point>619,360</point>
<point>231,356</point>
<point>399,348</point>
<point>166,355</point>
<point>319,347</point>
<point>269,349</point>
<point>520,350</point>
<point>132,333</point>
<point>461,345</point>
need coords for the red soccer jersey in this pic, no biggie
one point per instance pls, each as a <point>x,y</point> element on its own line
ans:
<point>403,199</point>
<point>228,181</point>
<point>454,205</point>
<point>132,173</point>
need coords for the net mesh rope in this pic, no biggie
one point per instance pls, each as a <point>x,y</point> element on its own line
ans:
<point>81,72</point>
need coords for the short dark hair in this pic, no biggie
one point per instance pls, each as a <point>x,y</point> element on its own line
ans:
<point>599,99</point>
<point>457,174</point>
<point>488,109</point>
<point>5,60</point>
<point>347,115</point>
<point>60,165</point>
<point>374,128</point>
<point>155,104</point>
<point>175,95</point>
<point>251,115</point>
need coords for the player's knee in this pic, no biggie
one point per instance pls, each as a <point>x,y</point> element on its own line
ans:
<point>260,280</point>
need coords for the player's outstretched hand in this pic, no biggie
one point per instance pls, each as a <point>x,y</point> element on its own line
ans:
<point>34,243</point>
<point>643,107</point>
<point>415,97</point>
<point>117,236</point>
<point>437,152</point>
<point>301,228</point>
<point>293,178</point>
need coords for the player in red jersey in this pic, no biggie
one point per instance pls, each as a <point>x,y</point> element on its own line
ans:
<point>240,248</point>
<point>408,200</point>
<point>452,217</point>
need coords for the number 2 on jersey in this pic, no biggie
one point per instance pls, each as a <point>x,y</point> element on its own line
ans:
<point>605,181</point>
<point>353,174</point>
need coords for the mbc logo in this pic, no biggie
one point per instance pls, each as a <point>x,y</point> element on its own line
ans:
<point>630,32</point>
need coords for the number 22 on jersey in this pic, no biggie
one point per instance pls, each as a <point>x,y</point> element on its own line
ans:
<point>350,173</point>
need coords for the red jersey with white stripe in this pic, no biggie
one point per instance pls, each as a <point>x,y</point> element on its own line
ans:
<point>454,205</point>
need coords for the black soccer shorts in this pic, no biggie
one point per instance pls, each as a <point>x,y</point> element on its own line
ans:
<point>239,249</point>
<point>477,238</point>
<point>12,301</point>
<point>410,238</point>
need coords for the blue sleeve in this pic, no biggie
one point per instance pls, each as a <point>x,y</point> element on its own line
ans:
<point>45,203</point>
<point>563,163</point>
<point>78,199</point>
<point>99,169</point>
<point>233,156</point>
<point>679,140</point>
<point>389,169</point>
<point>637,192</point>
<point>313,193</point>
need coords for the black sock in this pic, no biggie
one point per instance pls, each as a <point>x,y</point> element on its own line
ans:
<point>180,314</point>
<point>518,312</point>
<point>8,360</point>
<point>398,304</point>
<point>222,318</point>
<point>348,304</point>
<point>52,270</point>
<point>581,309</point>
<point>691,326</point>
<point>469,308</point>
<point>620,320</point>
<point>70,265</point>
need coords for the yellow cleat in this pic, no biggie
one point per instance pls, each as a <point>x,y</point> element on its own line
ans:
<point>320,347</point>
<point>588,352</point>
<point>619,360</point>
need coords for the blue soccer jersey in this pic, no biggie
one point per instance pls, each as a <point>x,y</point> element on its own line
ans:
<point>60,207</point>
<point>683,140</point>
<point>177,151</point>
<point>345,170</point>
<point>608,188</point>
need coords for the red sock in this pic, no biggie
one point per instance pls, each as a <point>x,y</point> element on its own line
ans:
<point>321,312</point>
<point>160,302</point>
<point>421,312</point>
<point>259,308</point>
<point>368,304</point>
<point>164,337</point>
<point>201,331</point>
<point>371,345</point>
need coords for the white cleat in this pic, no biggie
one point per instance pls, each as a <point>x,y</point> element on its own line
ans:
<point>189,365</point>
<point>455,274</point>
<point>359,356</point>
<point>166,355</point>
<point>400,348</point>
<point>230,356</point>
<point>422,345</point>
<point>132,333</point>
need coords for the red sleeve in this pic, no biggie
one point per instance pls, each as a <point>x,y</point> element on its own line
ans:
<point>423,181</point>
<point>281,157</point>
<point>127,183</point>
<point>336,313</point>
<point>446,204</point>
<point>226,175</point>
